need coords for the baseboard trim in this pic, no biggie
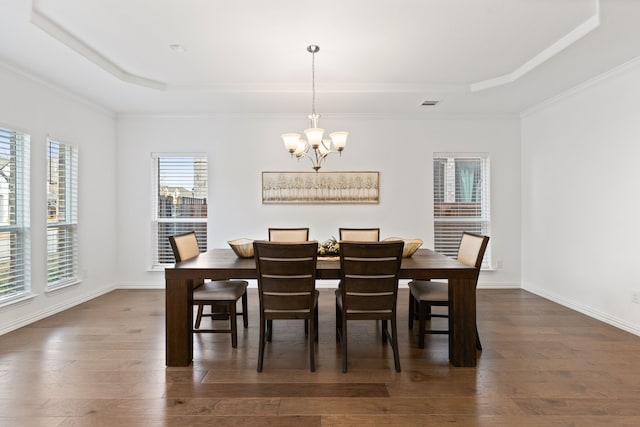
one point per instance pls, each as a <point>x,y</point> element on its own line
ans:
<point>506,285</point>
<point>140,285</point>
<point>588,311</point>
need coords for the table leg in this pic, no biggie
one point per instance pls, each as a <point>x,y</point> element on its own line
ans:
<point>179,321</point>
<point>462,322</point>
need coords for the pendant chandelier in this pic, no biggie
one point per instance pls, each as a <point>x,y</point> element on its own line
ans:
<point>315,148</point>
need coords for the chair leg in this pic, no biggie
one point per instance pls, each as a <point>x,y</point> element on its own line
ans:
<point>422,308</point>
<point>394,343</point>
<point>234,324</point>
<point>261,343</point>
<point>245,310</point>
<point>384,331</point>
<point>199,316</point>
<point>343,338</point>
<point>315,319</point>
<point>478,344</point>
<point>312,344</point>
<point>269,330</point>
<point>306,327</point>
<point>412,302</point>
<point>338,322</point>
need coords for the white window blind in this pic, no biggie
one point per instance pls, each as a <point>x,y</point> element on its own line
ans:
<point>180,201</point>
<point>461,200</point>
<point>14,214</point>
<point>62,213</point>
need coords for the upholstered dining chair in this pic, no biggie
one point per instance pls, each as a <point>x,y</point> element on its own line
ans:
<point>368,289</point>
<point>423,294</point>
<point>360,234</point>
<point>223,294</point>
<point>288,234</point>
<point>287,288</point>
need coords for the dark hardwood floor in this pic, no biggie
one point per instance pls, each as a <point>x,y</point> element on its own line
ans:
<point>103,364</point>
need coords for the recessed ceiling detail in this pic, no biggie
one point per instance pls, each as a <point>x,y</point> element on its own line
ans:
<point>566,41</point>
<point>59,33</point>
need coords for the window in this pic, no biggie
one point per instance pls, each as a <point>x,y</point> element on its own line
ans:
<point>62,214</point>
<point>180,202</point>
<point>460,200</point>
<point>14,214</point>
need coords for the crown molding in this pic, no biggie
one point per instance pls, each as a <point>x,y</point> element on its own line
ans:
<point>581,87</point>
<point>71,41</point>
<point>54,87</point>
<point>573,36</point>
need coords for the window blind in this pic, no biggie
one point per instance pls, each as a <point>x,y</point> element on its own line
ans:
<point>180,201</point>
<point>14,214</point>
<point>62,213</point>
<point>460,200</point>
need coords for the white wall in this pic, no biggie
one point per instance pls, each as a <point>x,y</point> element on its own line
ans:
<point>240,148</point>
<point>580,199</point>
<point>39,110</point>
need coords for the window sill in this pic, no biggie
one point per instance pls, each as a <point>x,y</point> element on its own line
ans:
<point>60,286</point>
<point>17,299</point>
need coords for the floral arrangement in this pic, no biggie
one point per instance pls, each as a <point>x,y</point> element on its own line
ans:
<point>329,247</point>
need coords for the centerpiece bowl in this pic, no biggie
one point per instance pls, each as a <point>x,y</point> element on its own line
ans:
<point>243,248</point>
<point>410,245</point>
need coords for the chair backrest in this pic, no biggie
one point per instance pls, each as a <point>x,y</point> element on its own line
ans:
<point>184,246</point>
<point>471,250</point>
<point>288,234</point>
<point>369,273</point>
<point>360,234</point>
<point>286,276</point>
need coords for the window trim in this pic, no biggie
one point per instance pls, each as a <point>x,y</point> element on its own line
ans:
<point>156,220</point>
<point>22,157</point>
<point>70,222</point>
<point>484,219</point>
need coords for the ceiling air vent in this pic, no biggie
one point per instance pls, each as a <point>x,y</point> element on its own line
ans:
<point>429,103</point>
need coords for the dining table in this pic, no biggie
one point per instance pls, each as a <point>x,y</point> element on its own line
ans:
<point>222,264</point>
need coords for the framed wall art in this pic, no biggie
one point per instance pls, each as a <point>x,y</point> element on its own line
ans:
<point>320,187</point>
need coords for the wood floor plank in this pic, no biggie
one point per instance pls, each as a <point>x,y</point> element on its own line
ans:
<point>481,421</point>
<point>279,390</point>
<point>399,406</point>
<point>194,421</point>
<point>32,421</point>
<point>629,406</point>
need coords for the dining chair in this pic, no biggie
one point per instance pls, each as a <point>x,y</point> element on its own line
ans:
<point>423,294</point>
<point>287,288</point>
<point>288,234</point>
<point>360,234</point>
<point>218,294</point>
<point>368,289</point>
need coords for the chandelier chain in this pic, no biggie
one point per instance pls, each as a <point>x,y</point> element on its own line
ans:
<point>313,83</point>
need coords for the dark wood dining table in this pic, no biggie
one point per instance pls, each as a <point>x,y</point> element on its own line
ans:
<point>220,264</point>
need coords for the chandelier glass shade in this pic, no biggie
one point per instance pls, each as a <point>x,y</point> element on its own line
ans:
<point>315,147</point>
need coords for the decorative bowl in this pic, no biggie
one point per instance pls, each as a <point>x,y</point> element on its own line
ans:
<point>243,248</point>
<point>410,245</point>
